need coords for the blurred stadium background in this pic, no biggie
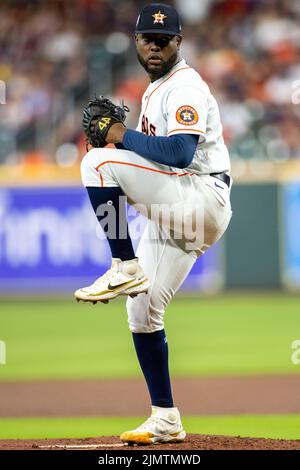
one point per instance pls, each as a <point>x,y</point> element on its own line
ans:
<point>54,56</point>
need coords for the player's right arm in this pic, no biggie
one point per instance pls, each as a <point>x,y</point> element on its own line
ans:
<point>177,150</point>
<point>186,109</point>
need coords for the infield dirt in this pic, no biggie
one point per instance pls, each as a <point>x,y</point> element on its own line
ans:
<point>128,397</point>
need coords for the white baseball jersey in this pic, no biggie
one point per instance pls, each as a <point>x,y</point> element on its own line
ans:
<point>181,103</point>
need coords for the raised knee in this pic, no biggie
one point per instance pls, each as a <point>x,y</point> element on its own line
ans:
<point>86,163</point>
<point>89,167</point>
<point>89,159</point>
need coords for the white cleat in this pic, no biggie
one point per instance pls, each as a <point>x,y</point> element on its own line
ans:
<point>123,278</point>
<point>164,425</point>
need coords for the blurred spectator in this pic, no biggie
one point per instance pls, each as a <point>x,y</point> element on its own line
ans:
<point>55,54</point>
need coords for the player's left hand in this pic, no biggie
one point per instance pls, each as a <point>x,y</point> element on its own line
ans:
<point>103,122</point>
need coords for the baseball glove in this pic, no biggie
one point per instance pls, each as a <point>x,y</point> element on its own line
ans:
<point>98,117</point>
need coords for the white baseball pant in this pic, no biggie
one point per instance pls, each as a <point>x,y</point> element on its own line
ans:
<point>200,213</point>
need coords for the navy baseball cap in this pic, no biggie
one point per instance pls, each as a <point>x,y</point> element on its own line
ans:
<point>160,19</point>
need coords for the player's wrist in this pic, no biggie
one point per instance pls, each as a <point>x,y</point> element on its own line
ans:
<point>116,133</point>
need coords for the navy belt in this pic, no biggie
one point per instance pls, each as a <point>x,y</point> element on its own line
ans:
<point>223,177</point>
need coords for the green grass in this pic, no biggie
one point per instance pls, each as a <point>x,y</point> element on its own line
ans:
<point>273,426</point>
<point>231,334</point>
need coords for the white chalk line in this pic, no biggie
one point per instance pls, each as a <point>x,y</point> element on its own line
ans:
<point>86,446</point>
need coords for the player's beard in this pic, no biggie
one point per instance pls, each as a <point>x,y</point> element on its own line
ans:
<point>157,72</point>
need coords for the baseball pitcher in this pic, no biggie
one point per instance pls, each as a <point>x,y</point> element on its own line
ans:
<point>175,167</point>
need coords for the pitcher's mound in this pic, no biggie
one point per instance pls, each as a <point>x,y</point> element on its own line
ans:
<point>192,442</point>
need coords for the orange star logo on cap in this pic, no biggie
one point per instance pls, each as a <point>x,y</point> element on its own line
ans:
<point>159,17</point>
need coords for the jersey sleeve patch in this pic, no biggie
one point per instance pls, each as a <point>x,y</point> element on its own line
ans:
<point>187,115</point>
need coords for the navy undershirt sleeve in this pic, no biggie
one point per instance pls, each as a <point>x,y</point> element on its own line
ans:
<point>177,150</point>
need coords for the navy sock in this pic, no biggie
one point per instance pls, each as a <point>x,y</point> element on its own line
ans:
<point>110,209</point>
<point>152,352</point>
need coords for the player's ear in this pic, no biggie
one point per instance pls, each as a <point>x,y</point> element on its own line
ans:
<point>178,40</point>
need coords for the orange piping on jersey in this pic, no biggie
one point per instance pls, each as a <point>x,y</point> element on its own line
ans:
<point>183,68</point>
<point>187,130</point>
<point>138,166</point>
<point>184,174</point>
<point>170,173</point>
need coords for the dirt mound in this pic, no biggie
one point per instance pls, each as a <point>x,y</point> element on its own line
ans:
<point>192,442</point>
